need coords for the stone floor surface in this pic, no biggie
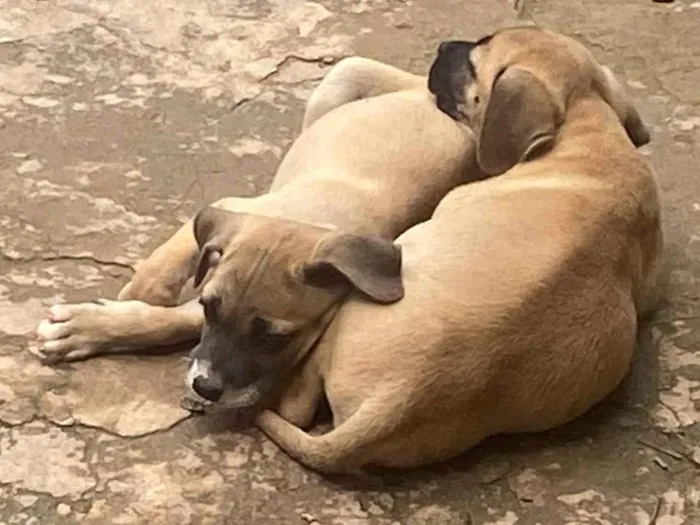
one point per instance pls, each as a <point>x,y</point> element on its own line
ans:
<point>120,118</point>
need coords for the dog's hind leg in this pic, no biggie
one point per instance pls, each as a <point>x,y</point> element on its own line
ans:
<point>345,449</point>
<point>79,331</point>
<point>356,78</point>
<point>159,279</point>
<point>300,400</point>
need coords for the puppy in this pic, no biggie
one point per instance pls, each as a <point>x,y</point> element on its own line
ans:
<point>375,157</point>
<point>522,292</point>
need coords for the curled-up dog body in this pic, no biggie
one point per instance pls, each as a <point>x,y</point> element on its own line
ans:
<point>257,280</point>
<point>522,293</point>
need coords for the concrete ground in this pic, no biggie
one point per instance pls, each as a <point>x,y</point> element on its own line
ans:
<point>120,118</point>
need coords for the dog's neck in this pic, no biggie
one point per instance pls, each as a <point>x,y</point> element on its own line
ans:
<point>321,326</point>
<point>591,141</point>
<point>592,119</point>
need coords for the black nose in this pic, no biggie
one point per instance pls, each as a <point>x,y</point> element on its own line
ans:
<point>208,391</point>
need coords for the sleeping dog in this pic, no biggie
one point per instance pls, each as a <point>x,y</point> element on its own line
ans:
<point>260,278</point>
<point>522,292</point>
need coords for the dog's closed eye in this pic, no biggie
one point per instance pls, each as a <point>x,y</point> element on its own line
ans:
<point>271,335</point>
<point>260,327</point>
<point>264,327</point>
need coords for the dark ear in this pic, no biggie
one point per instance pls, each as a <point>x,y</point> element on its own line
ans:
<point>213,229</point>
<point>370,264</point>
<point>209,258</point>
<point>614,94</point>
<point>520,117</point>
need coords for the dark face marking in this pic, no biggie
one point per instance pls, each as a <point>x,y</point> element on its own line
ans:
<point>239,344</point>
<point>449,73</point>
<point>239,355</point>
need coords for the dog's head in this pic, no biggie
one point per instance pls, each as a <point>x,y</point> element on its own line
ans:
<point>514,88</point>
<point>271,288</point>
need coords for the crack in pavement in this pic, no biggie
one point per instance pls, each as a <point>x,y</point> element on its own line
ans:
<point>68,257</point>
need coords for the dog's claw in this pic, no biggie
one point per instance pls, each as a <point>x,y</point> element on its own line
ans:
<point>50,360</point>
<point>193,405</point>
<point>67,356</point>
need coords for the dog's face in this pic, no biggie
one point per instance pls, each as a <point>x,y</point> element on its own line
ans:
<point>271,288</point>
<point>514,88</point>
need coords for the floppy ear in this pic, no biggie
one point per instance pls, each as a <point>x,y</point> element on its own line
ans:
<point>213,229</point>
<point>371,264</point>
<point>520,117</point>
<point>614,94</point>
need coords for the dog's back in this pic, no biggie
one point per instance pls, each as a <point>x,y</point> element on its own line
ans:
<point>396,145</point>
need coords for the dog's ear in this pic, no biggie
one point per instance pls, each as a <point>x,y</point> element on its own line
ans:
<point>209,257</point>
<point>371,264</point>
<point>521,116</point>
<point>213,229</point>
<point>614,94</point>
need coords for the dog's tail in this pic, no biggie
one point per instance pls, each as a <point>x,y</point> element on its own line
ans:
<point>343,450</point>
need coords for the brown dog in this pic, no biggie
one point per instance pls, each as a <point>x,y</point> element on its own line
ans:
<point>374,158</point>
<point>523,292</point>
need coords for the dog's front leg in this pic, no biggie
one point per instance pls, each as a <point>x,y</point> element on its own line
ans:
<point>79,331</point>
<point>300,400</point>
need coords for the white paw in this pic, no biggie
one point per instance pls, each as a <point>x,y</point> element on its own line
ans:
<point>77,331</point>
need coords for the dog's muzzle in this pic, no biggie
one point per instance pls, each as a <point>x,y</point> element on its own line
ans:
<point>201,381</point>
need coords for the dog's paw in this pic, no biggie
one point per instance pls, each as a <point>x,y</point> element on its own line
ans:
<point>195,405</point>
<point>72,332</point>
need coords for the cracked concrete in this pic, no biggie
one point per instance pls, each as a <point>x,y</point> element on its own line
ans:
<point>119,119</point>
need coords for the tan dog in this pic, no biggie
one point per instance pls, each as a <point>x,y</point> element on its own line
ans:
<point>374,158</point>
<point>523,292</point>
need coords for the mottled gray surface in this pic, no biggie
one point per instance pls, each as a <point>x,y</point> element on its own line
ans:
<point>120,118</point>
